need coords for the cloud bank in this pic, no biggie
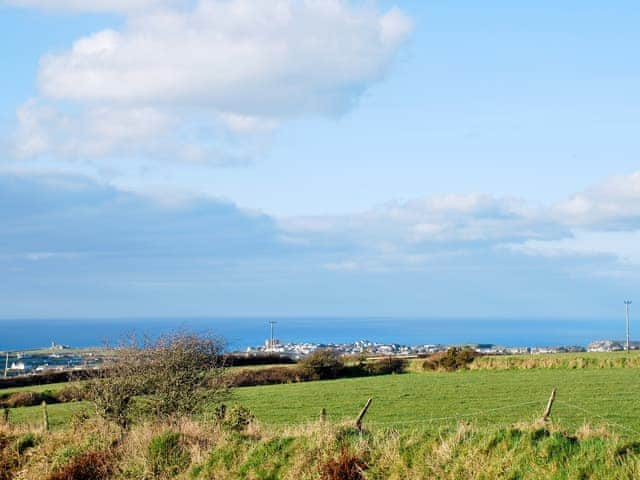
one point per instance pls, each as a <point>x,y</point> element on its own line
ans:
<point>64,235</point>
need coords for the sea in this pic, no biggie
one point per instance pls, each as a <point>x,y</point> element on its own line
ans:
<point>240,333</point>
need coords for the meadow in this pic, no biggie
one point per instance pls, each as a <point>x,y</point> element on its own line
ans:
<point>606,396</point>
<point>478,423</point>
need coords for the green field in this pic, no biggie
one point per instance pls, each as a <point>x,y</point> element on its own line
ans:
<point>600,396</point>
<point>470,424</point>
<point>607,396</point>
<point>52,387</point>
<point>60,414</point>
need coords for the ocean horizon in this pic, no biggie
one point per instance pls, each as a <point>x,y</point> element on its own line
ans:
<point>240,333</point>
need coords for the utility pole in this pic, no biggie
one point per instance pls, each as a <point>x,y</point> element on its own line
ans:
<point>271,324</point>
<point>626,307</point>
<point>6,365</point>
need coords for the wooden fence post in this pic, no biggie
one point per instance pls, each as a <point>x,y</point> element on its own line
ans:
<point>323,415</point>
<point>45,416</point>
<point>362,414</point>
<point>547,411</point>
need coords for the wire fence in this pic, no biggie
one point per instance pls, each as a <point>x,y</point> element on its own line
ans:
<point>515,411</point>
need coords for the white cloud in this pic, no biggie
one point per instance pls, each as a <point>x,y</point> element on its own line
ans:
<point>244,57</point>
<point>429,224</point>
<point>205,83</point>
<point>603,222</point>
<point>91,132</point>
<point>613,204</point>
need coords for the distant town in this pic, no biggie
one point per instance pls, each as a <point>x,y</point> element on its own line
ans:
<point>61,358</point>
<point>299,350</point>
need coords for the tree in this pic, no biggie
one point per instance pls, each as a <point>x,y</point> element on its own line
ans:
<point>322,363</point>
<point>177,374</point>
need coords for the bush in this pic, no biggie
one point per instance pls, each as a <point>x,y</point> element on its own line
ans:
<point>322,364</point>
<point>267,376</point>
<point>237,418</point>
<point>178,374</point>
<point>25,442</point>
<point>71,393</point>
<point>386,366</point>
<point>166,455</point>
<point>8,459</point>
<point>453,359</point>
<point>27,399</point>
<point>346,467</point>
<point>87,466</point>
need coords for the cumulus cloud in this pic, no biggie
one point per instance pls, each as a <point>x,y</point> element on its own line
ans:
<point>243,57</point>
<point>235,69</point>
<point>602,222</point>
<point>96,131</point>
<point>613,204</point>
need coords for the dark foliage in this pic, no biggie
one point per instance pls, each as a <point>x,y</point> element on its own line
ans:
<point>346,467</point>
<point>385,366</point>
<point>87,466</point>
<point>268,376</point>
<point>27,399</point>
<point>453,359</point>
<point>25,442</point>
<point>263,359</point>
<point>322,364</point>
<point>44,378</point>
<point>71,393</point>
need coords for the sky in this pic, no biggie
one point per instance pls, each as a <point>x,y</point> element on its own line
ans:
<point>318,158</point>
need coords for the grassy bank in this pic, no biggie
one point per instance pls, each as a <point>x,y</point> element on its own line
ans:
<point>192,450</point>
<point>596,360</point>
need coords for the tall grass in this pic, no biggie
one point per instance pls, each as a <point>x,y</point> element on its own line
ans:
<point>565,360</point>
<point>330,451</point>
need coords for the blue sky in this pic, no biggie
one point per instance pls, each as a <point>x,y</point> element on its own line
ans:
<point>239,157</point>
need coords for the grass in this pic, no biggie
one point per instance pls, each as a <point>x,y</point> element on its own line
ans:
<point>609,395</point>
<point>484,396</point>
<point>51,387</point>
<point>60,414</point>
<point>471,424</point>
<point>320,452</point>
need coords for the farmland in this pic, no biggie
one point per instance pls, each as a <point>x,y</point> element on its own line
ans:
<point>439,398</point>
<point>471,423</point>
<point>598,396</point>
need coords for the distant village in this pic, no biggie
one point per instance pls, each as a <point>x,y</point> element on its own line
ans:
<point>58,358</point>
<point>299,350</point>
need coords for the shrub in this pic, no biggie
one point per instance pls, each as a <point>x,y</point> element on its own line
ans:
<point>71,393</point>
<point>27,399</point>
<point>346,467</point>
<point>453,359</point>
<point>166,455</point>
<point>386,366</point>
<point>267,376</point>
<point>237,418</point>
<point>86,466</point>
<point>25,442</point>
<point>322,364</point>
<point>8,458</point>
<point>178,374</point>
